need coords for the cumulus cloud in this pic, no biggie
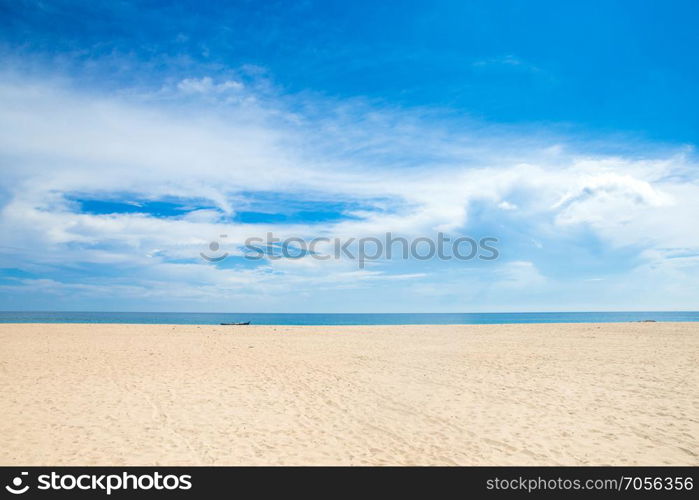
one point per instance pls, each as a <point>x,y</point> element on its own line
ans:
<point>215,142</point>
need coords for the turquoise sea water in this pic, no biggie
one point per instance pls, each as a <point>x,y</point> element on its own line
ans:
<point>343,319</point>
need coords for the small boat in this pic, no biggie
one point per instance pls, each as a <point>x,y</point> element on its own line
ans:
<point>236,324</point>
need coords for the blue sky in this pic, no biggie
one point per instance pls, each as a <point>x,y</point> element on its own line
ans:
<point>134,133</point>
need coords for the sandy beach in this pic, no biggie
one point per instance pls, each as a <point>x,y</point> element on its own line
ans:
<point>578,394</point>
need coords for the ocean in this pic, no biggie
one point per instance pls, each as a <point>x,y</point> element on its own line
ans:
<point>343,318</point>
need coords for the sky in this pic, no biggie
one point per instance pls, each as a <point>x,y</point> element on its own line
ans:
<point>134,134</point>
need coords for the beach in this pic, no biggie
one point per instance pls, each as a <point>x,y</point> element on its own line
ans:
<point>553,394</point>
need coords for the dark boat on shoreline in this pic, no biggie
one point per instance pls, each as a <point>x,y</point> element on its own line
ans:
<point>236,324</point>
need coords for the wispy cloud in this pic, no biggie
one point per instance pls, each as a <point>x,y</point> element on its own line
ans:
<point>220,143</point>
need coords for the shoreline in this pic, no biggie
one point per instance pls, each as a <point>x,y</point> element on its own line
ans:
<point>371,325</point>
<point>361,319</point>
<point>509,394</point>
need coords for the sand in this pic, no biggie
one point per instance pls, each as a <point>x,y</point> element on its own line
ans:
<point>584,394</point>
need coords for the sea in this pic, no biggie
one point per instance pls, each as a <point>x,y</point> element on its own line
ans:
<point>182,318</point>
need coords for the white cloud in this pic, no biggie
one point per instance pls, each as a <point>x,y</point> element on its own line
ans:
<point>206,85</point>
<point>412,174</point>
